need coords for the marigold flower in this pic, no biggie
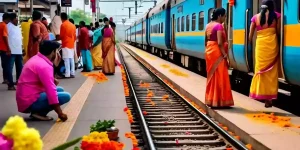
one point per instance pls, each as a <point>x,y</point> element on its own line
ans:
<point>13,126</point>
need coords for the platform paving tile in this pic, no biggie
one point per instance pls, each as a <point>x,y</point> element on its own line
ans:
<point>194,87</point>
<point>106,101</point>
<point>8,105</point>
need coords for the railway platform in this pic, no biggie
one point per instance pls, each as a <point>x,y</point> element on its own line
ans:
<point>252,123</point>
<point>90,102</point>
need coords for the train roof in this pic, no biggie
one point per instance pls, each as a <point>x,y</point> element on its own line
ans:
<point>176,2</point>
<point>145,16</point>
<point>160,7</point>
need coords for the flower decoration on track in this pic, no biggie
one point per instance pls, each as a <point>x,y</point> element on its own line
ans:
<point>149,93</point>
<point>99,141</point>
<point>165,97</point>
<point>144,85</point>
<point>99,76</point>
<point>17,136</point>
<point>124,79</point>
<point>178,73</point>
<point>135,142</point>
<point>129,115</point>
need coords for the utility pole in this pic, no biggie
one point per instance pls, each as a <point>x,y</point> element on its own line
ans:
<point>136,7</point>
<point>31,6</point>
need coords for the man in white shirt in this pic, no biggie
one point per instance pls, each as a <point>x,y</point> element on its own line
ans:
<point>15,45</point>
<point>55,24</point>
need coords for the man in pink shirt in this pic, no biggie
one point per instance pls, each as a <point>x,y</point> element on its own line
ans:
<point>37,92</point>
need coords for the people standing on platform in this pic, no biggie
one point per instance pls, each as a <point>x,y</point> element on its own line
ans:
<point>267,23</point>
<point>108,49</point>
<point>75,45</point>
<point>55,24</point>
<point>45,22</point>
<point>38,32</point>
<point>84,45</point>
<point>4,48</point>
<point>37,91</point>
<point>16,55</point>
<point>218,90</point>
<point>101,23</point>
<point>113,26</point>
<point>25,34</point>
<point>68,38</point>
<point>96,50</point>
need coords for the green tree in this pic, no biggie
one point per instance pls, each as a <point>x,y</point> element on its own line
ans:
<point>78,15</point>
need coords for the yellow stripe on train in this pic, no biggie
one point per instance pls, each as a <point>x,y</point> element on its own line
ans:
<point>291,36</point>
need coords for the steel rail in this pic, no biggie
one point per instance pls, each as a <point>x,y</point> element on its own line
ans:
<point>236,143</point>
<point>142,119</point>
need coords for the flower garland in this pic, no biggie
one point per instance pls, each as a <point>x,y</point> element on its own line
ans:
<point>135,142</point>
<point>99,141</point>
<point>129,115</point>
<point>124,79</point>
<point>17,136</point>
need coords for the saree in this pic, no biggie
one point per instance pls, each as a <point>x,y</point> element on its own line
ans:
<point>218,89</point>
<point>25,26</point>
<point>108,52</point>
<point>264,84</point>
<point>97,49</point>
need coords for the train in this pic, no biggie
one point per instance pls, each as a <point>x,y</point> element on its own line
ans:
<point>175,30</point>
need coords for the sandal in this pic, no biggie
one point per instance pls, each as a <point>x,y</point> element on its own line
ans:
<point>38,117</point>
<point>268,104</point>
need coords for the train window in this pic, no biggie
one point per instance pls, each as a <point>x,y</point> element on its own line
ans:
<point>158,28</point>
<point>201,2</point>
<point>178,24</point>
<point>182,23</point>
<point>201,21</point>
<point>193,22</point>
<point>299,10</point>
<point>210,11</point>
<point>187,23</point>
<point>162,27</point>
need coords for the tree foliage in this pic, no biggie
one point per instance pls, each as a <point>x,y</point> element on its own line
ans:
<point>79,15</point>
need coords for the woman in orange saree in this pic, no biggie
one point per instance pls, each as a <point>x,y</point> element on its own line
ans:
<point>108,50</point>
<point>218,90</point>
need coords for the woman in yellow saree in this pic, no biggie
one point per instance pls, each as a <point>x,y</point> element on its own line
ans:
<point>264,84</point>
<point>108,50</point>
<point>97,49</point>
<point>218,90</point>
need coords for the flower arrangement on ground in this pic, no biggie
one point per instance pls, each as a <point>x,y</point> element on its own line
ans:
<point>106,126</point>
<point>17,136</point>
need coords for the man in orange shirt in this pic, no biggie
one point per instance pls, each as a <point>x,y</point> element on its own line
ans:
<point>4,48</point>
<point>68,38</point>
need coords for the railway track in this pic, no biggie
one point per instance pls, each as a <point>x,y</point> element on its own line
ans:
<point>163,120</point>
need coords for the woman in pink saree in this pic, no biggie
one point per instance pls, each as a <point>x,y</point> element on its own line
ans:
<point>108,50</point>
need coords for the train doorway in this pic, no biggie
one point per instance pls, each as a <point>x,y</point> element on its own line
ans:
<point>255,10</point>
<point>173,33</point>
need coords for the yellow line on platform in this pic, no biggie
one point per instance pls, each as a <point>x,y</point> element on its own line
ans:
<point>60,131</point>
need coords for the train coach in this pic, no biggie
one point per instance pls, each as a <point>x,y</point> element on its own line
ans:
<point>177,29</point>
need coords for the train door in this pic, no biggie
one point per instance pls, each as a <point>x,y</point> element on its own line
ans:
<point>255,10</point>
<point>173,33</point>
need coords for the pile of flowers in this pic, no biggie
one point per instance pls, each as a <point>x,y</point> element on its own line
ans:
<point>100,77</point>
<point>99,141</point>
<point>124,79</point>
<point>178,73</point>
<point>165,66</point>
<point>17,136</point>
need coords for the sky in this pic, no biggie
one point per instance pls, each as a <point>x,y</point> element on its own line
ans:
<point>117,10</point>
